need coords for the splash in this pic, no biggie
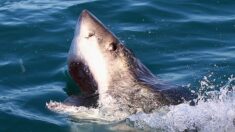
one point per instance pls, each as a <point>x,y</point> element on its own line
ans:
<point>215,111</point>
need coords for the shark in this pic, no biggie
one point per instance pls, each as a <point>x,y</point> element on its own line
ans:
<point>110,76</point>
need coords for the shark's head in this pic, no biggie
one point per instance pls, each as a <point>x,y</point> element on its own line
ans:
<point>97,57</point>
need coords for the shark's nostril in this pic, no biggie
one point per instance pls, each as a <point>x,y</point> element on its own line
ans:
<point>90,35</point>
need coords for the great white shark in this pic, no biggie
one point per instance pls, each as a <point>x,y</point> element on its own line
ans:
<point>109,75</point>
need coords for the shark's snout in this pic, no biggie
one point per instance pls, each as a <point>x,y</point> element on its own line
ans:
<point>88,26</point>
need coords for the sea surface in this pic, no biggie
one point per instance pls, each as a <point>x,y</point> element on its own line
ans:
<point>185,42</point>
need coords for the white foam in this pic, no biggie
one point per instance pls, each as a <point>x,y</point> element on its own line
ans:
<point>206,116</point>
<point>217,114</point>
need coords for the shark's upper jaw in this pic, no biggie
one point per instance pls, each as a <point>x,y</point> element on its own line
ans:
<point>86,60</point>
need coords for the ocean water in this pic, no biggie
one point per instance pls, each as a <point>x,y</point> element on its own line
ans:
<point>185,42</point>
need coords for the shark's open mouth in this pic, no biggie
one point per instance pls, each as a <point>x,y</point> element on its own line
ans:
<point>83,76</point>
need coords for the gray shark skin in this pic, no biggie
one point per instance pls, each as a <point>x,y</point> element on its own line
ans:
<point>104,68</point>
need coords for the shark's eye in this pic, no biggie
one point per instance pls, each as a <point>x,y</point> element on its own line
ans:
<point>112,46</point>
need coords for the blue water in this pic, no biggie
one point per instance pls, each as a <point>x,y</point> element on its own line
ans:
<point>183,42</point>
